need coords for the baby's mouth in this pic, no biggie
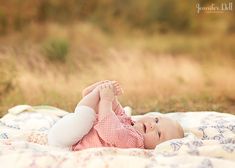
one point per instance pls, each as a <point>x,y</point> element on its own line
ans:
<point>144,128</point>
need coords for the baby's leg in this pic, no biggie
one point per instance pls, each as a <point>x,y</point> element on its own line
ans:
<point>71,128</point>
<point>90,100</point>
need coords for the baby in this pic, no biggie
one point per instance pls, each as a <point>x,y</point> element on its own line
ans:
<point>100,121</point>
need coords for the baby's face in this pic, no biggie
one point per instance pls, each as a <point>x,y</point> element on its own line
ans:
<point>158,129</point>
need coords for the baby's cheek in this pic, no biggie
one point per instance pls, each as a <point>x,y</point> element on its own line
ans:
<point>152,138</point>
<point>150,141</point>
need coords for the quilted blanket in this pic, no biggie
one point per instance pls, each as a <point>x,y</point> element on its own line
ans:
<point>209,142</point>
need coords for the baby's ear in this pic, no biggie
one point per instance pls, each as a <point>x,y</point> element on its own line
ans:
<point>128,110</point>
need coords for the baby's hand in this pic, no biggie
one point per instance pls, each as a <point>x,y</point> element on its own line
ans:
<point>117,88</point>
<point>107,91</point>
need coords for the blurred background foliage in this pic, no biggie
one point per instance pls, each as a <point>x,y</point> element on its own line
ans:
<point>150,15</point>
<point>181,60</point>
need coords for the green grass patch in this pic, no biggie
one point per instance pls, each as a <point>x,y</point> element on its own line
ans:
<point>56,49</point>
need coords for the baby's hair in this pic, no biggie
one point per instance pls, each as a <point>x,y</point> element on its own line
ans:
<point>180,130</point>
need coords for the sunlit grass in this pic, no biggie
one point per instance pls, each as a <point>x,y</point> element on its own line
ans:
<point>158,73</point>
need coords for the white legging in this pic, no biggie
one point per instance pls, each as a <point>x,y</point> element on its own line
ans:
<point>72,127</point>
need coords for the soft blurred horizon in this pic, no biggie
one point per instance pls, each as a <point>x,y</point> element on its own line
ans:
<point>168,55</point>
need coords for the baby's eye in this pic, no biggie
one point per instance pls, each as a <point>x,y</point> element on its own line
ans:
<point>156,120</point>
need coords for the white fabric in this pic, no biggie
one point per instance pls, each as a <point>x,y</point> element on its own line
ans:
<point>209,142</point>
<point>72,127</point>
<point>48,110</point>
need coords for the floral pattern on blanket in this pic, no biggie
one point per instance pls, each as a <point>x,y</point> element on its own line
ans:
<point>209,142</point>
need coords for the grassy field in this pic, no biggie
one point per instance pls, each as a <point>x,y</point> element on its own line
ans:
<point>51,64</point>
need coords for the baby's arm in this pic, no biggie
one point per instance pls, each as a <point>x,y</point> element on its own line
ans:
<point>109,127</point>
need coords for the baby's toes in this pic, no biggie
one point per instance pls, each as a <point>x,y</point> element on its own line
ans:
<point>106,92</point>
<point>105,81</point>
<point>115,83</point>
<point>118,89</point>
<point>110,86</point>
<point>119,92</point>
<point>102,87</point>
<point>107,85</point>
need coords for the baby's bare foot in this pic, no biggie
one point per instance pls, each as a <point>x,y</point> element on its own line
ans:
<point>90,88</point>
<point>107,91</point>
<point>117,88</point>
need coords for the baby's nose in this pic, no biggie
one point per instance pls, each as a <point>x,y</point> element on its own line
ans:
<point>152,126</point>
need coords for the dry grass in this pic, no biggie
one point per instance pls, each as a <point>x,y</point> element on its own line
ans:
<point>158,73</point>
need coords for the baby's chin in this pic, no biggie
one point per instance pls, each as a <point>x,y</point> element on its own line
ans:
<point>150,146</point>
<point>138,128</point>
